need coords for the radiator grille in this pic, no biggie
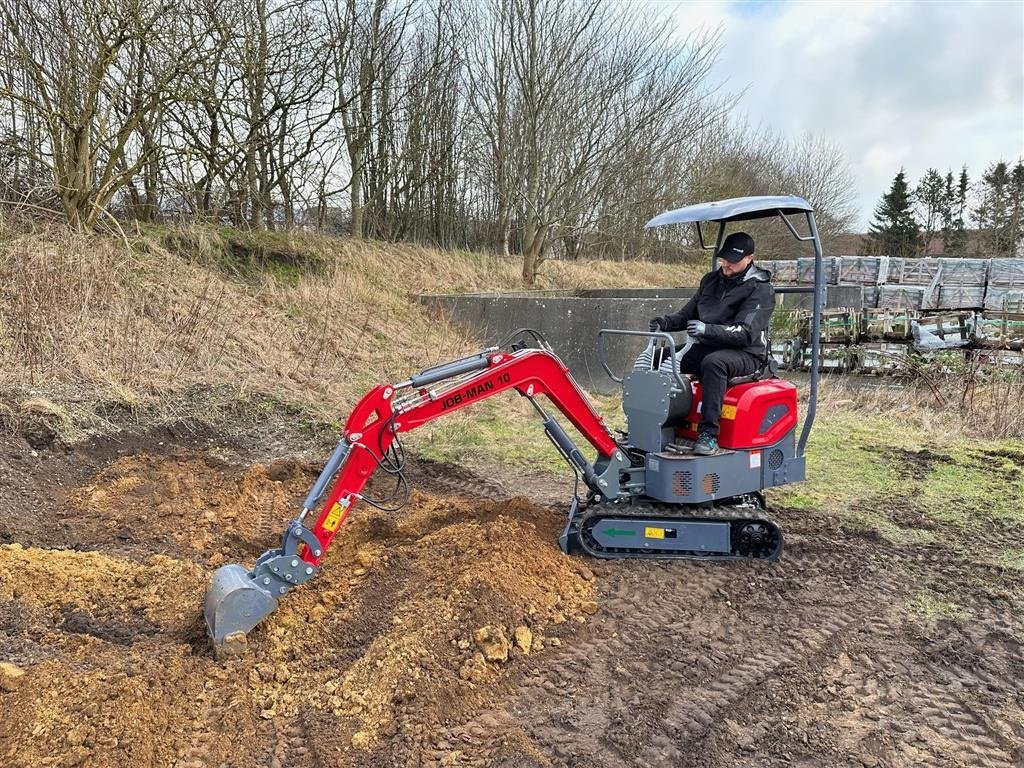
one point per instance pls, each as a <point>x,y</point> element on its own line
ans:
<point>682,484</point>
<point>775,459</point>
<point>712,483</point>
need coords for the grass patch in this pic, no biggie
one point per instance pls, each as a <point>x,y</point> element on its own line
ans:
<point>930,605</point>
<point>1012,559</point>
<point>876,521</point>
<point>973,488</point>
<point>506,431</point>
<point>906,479</point>
<point>844,464</point>
<point>246,254</point>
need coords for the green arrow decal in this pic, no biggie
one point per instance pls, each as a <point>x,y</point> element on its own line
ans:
<point>617,532</point>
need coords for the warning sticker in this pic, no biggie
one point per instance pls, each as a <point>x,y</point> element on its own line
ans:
<point>333,518</point>
<point>654,533</point>
<point>755,459</point>
<point>728,411</point>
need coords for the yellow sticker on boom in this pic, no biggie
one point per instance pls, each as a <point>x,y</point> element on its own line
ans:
<point>728,411</point>
<point>333,518</point>
<point>654,533</point>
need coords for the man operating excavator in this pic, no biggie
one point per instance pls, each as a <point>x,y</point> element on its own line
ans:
<point>728,322</point>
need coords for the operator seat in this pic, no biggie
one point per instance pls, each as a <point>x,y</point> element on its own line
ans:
<point>769,370</point>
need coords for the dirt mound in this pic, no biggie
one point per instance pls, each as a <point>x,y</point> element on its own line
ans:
<point>200,504</point>
<point>417,619</point>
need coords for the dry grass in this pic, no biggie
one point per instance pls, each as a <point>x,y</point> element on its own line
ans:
<point>312,320</point>
<point>938,401</point>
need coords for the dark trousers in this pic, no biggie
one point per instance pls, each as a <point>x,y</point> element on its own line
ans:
<point>714,367</point>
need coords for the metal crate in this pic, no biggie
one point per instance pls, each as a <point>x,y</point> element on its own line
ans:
<point>784,272</point>
<point>901,296</point>
<point>860,270</point>
<point>914,271</point>
<point>834,358</point>
<point>829,268</point>
<point>787,353</point>
<point>1002,299</point>
<point>883,357</point>
<point>888,324</point>
<point>838,326</point>
<point>1003,330</point>
<point>1006,273</point>
<point>961,296</point>
<point>965,272</point>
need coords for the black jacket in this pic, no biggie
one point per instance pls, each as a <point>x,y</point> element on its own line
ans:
<point>735,309</point>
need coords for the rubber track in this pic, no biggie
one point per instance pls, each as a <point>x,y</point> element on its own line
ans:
<point>731,513</point>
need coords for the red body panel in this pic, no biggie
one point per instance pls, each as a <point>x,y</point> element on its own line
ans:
<point>745,413</point>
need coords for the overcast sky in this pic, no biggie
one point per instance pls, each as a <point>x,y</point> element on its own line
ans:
<point>893,82</point>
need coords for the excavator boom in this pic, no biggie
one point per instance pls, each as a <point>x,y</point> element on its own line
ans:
<point>240,598</point>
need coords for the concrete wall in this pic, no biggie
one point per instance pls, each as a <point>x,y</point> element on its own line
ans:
<point>570,321</point>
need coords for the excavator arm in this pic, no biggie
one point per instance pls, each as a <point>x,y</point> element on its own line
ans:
<point>238,599</point>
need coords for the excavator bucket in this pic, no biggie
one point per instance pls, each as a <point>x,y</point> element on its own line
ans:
<point>235,603</point>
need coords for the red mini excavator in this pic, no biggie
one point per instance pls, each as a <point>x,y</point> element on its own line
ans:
<point>647,495</point>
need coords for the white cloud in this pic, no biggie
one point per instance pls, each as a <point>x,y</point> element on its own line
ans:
<point>894,83</point>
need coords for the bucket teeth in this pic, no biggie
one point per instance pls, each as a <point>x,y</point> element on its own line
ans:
<point>234,605</point>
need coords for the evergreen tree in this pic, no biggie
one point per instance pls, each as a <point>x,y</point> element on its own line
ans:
<point>930,194</point>
<point>994,211</point>
<point>958,207</point>
<point>894,231</point>
<point>947,216</point>
<point>1017,209</point>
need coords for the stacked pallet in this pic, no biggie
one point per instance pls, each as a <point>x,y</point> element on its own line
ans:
<point>887,340</point>
<point>1006,285</point>
<point>915,284</point>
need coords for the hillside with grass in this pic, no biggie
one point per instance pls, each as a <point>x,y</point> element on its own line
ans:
<point>207,316</point>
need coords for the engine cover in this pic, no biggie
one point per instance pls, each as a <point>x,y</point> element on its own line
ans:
<point>754,415</point>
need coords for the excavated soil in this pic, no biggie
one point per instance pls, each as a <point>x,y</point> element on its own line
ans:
<point>454,633</point>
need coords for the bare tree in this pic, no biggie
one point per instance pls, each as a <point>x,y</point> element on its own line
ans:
<point>91,74</point>
<point>573,98</point>
<point>735,159</point>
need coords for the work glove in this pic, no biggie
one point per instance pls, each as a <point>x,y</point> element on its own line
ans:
<point>696,328</point>
<point>655,324</point>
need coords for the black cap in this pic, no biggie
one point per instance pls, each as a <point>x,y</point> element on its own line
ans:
<point>736,246</point>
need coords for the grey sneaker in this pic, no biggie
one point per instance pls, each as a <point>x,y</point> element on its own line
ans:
<point>706,445</point>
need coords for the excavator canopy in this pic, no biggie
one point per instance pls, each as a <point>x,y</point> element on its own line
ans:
<point>733,209</point>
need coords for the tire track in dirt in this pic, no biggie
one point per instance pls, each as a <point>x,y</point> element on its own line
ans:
<point>821,626</point>
<point>603,699</point>
<point>439,478</point>
<point>290,744</point>
<point>642,682</point>
<point>887,698</point>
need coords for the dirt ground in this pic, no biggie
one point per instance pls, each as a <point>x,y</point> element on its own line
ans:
<point>454,633</point>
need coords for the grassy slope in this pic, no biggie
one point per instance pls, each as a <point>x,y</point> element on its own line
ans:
<point>311,321</point>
